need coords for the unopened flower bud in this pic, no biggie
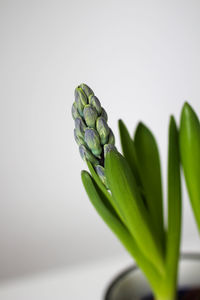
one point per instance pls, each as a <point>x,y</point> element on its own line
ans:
<point>94,101</point>
<point>87,90</point>
<point>81,100</point>
<point>92,134</point>
<point>111,138</point>
<point>90,115</point>
<point>87,155</point>
<point>103,130</point>
<point>79,140</point>
<point>104,114</point>
<point>93,141</point>
<point>80,127</point>
<point>75,113</point>
<point>101,173</point>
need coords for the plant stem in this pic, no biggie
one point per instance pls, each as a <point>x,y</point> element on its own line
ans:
<point>165,294</point>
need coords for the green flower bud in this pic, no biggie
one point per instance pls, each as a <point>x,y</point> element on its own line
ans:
<point>90,115</point>
<point>75,113</point>
<point>109,147</point>
<point>94,101</point>
<point>79,140</point>
<point>87,155</point>
<point>93,141</point>
<point>81,100</point>
<point>101,173</point>
<point>111,138</point>
<point>103,130</point>
<point>91,133</point>
<point>80,127</point>
<point>87,90</point>
<point>104,114</point>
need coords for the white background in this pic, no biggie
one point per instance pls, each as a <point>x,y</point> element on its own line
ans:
<point>142,60</point>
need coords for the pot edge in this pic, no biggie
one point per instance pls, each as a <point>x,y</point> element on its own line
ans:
<point>116,278</point>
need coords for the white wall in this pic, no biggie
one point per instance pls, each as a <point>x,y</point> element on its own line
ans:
<point>142,60</point>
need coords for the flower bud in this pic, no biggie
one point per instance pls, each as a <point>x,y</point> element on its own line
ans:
<point>94,101</point>
<point>90,115</point>
<point>104,114</point>
<point>81,100</point>
<point>75,113</point>
<point>79,140</point>
<point>101,173</point>
<point>80,127</point>
<point>111,138</point>
<point>87,155</point>
<point>93,141</point>
<point>103,130</point>
<point>86,89</point>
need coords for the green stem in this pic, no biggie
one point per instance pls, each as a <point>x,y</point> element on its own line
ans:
<point>165,292</point>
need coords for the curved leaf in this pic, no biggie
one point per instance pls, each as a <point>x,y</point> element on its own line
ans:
<point>128,149</point>
<point>105,192</point>
<point>125,191</point>
<point>150,174</point>
<point>97,199</point>
<point>190,156</point>
<point>174,208</point>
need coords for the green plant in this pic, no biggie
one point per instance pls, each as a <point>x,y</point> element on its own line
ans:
<point>190,156</point>
<point>126,190</point>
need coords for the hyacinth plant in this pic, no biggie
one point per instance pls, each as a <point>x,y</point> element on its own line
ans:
<point>126,190</point>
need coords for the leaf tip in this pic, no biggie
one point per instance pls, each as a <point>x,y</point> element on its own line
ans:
<point>172,120</point>
<point>110,155</point>
<point>141,126</point>
<point>186,108</point>
<point>121,124</point>
<point>84,175</point>
<point>187,113</point>
<point>141,129</point>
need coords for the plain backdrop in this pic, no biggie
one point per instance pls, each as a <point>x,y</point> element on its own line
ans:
<point>142,60</point>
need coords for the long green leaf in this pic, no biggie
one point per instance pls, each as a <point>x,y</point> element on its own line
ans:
<point>106,194</point>
<point>128,149</point>
<point>100,201</point>
<point>150,174</point>
<point>174,209</point>
<point>125,191</point>
<point>190,156</point>
<point>97,199</point>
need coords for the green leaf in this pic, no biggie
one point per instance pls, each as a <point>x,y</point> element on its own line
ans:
<point>96,196</point>
<point>99,202</point>
<point>126,194</point>
<point>128,149</point>
<point>98,180</point>
<point>190,156</point>
<point>174,208</point>
<point>103,189</point>
<point>150,174</point>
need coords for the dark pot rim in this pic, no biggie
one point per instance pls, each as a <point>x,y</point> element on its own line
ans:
<point>117,278</point>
